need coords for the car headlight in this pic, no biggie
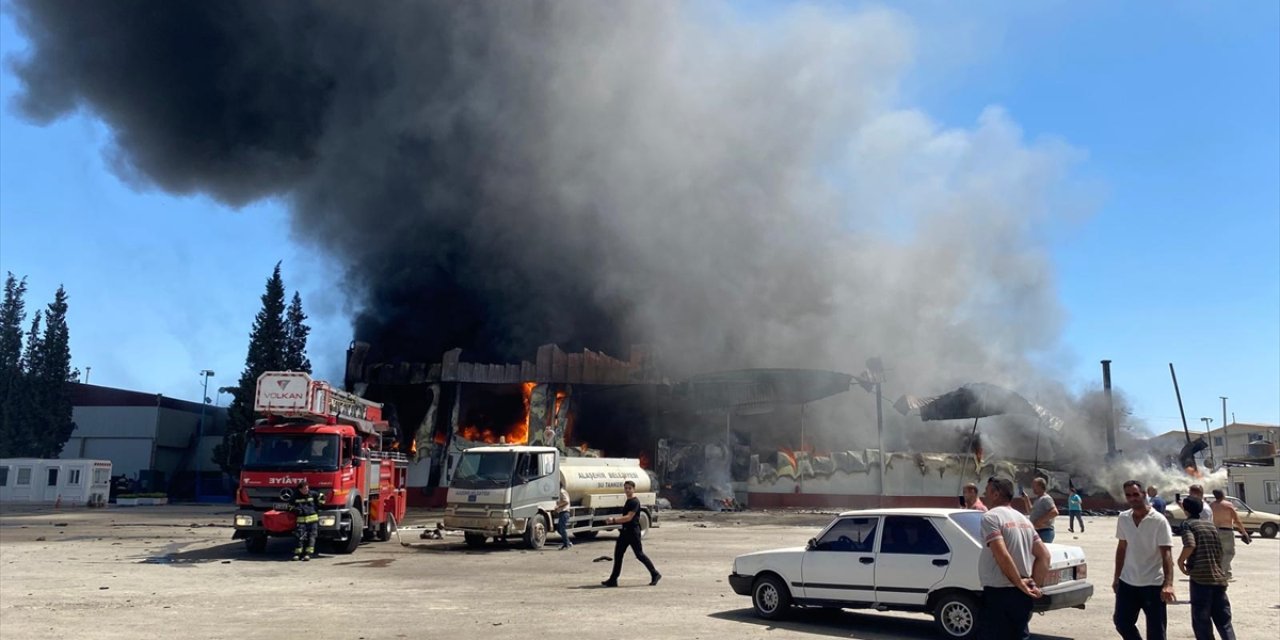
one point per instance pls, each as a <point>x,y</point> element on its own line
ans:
<point>244,521</point>
<point>328,521</point>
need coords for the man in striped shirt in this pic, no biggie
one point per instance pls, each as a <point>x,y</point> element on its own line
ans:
<point>1201,561</point>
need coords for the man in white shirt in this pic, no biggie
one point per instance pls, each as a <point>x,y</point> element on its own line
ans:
<point>1198,491</point>
<point>1144,567</point>
<point>1014,561</point>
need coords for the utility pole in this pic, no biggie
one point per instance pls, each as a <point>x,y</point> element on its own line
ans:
<point>204,401</point>
<point>1226,437</point>
<point>1208,434</point>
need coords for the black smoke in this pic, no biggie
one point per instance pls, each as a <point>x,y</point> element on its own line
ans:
<point>736,190</point>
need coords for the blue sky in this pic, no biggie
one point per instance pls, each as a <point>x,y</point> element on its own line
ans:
<point>1175,106</point>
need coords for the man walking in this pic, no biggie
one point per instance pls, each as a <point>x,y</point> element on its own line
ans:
<point>1013,562</point>
<point>562,517</point>
<point>1226,518</point>
<point>1075,511</point>
<point>1043,510</point>
<point>1201,561</point>
<point>1144,567</point>
<point>629,536</point>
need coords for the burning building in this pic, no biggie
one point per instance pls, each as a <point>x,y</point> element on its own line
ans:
<point>581,403</point>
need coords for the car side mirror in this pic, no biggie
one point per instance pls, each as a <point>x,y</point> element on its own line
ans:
<point>812,544</point>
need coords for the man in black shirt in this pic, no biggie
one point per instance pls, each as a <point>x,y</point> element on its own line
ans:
<point>629,536</point>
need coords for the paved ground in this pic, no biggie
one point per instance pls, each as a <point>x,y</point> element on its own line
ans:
<point>162,572</point>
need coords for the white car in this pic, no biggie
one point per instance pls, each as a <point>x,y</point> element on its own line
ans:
<point>1265,524</point>
<point>923,560</point>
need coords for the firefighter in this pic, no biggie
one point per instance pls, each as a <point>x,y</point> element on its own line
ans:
<point>306,506</point>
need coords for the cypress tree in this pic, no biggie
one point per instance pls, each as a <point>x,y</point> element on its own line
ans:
<point>12,315</point>
<point>267,342</point>
<point>49,372</point>
<point>296,332</point>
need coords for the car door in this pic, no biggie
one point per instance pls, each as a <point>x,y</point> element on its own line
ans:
<point>913,557</point>
<point>1246,514</point>
<point>840,564</point>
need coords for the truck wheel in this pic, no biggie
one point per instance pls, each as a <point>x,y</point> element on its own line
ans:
<point>357,533</point>
<point>535,533</point>
<point>644,523</point>
<point>255,544</point>
<point>770,598</point>
<point>956,614</point>
<point>1269,530</point>
<point>586,535</point>
<point>474,540</point>
<point>384,531</point>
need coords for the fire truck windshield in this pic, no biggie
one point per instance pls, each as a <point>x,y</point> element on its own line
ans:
<point>484,470</point>
<point>292,451</point>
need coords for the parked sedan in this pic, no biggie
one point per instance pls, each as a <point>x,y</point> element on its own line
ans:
<point>923,560</point>
<point>1260,522</point>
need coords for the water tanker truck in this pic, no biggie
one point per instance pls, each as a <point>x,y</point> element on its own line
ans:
<point>505,492</point>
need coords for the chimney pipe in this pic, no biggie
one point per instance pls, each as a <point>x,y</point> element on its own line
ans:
<point>1111,409</point>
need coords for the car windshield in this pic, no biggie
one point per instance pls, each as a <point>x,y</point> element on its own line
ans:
<point>1240,506</point>
<point>971,522</point>
<point>487,470</point>
<point>292,451</point>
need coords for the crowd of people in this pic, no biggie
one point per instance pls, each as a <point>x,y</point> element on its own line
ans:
<point>1015,560</point>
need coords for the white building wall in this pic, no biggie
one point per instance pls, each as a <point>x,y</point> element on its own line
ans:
<point>1257,494</point>
<point>68,482</point>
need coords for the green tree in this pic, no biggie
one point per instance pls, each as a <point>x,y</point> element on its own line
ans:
<point>267,342</point>
<point>33,378</point>
<point>296,332</point>
<point>12,314</point>
<point>49,371</point>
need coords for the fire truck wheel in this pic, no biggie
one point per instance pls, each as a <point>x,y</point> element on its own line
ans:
<point>474,539</point>
<point>384,531</point>
<point>535,533</point>
<point>255,544</point>
<point>357,533</point>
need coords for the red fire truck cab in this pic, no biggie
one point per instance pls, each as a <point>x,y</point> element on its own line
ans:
<point>335,441</point>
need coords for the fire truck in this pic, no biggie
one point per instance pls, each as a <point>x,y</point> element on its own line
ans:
<point>337,442</point>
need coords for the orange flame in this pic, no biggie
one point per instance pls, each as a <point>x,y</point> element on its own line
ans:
<point>517,434</point>
<point>560,396</point>
<point>645,463</point>
<point>1194,472</point>
<point>439,438</point>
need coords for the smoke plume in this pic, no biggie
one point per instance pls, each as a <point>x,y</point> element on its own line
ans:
<point>735,190</point>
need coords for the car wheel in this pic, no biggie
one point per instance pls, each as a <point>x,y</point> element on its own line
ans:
<point>770,597</point>
<point>956,614</point>
<point>1268,530</point>
<point>535,532</point>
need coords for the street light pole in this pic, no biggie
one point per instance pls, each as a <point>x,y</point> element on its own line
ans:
<point>88,368</point>
<point>204,400</point>
<point>1208,435</point>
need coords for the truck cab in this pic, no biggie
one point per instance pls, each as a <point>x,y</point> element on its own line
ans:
<point>511,491</point>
